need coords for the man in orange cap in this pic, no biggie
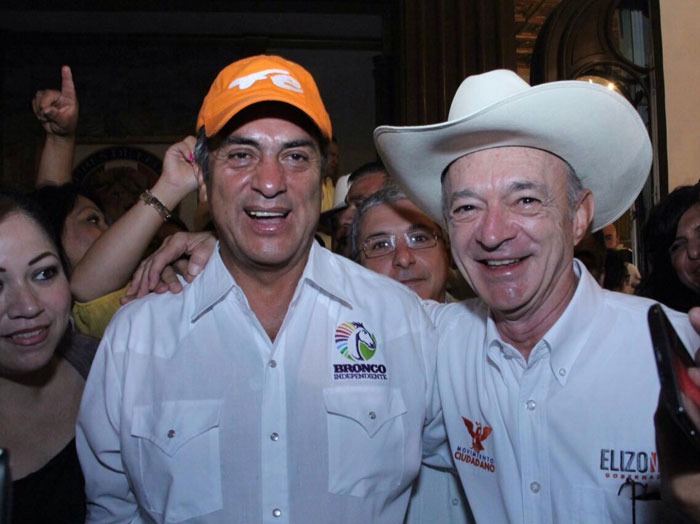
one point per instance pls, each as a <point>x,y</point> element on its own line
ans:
<point>280,386</point>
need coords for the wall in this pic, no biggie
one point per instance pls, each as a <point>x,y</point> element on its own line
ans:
<point>146,85</point>
<point>680,20</point>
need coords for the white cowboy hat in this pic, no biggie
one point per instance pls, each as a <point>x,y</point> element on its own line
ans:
<point>595,130</point>
<point>341,190</point>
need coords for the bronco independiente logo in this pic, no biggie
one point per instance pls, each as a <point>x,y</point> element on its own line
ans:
<point>358,345</point>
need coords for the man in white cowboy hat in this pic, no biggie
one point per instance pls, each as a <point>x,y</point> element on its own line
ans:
<point>548,383</point>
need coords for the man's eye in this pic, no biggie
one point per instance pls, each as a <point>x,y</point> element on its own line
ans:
<point>379,245</point>
<point>528,200</point>
<point>420,238</point>
<point>237,155</point>
<point>47,273</point>
<point>463,209</point>
<point>93,219</point>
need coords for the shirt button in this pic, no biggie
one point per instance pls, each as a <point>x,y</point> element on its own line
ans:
<point>562,372</point>
<point>455,502</point>
<point>372,415</point>
<point>273,364</point>
<point>171,433</point>
<point>535,487</point>
<point>531,405</point>
<point>275,437</point>
<point>276,512</point>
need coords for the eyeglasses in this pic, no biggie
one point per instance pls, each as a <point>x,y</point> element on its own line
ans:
<point>382,245</point>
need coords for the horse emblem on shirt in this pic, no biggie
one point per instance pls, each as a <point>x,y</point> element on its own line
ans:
<point>478,433</point>
<point>355,341</point>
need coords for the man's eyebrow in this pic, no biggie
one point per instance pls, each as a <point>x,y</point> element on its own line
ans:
<point>419,225</point>
<point>239,141</point>
<point>41,257</point>
<point>462,193</point>
<point>301,142</point>
<point>245,141</point>
<point>520,185</point>
<point>377,234</point>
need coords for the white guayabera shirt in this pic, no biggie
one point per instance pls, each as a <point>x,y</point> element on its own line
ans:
<point>191,414</point>
<point>557,439</point>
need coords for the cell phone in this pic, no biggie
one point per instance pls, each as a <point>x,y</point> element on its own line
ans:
<point>5,487</point>
<point>672,362</point>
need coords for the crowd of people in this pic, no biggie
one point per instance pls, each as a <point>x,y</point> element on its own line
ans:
<point>413,342</point>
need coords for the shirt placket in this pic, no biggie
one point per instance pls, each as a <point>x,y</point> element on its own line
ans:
<point>274,448</point>
<point>533,434</point>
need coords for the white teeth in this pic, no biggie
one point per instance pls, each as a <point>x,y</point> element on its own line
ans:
<point>265,214</point>
<point>501,262</point>
<point>27,334</point>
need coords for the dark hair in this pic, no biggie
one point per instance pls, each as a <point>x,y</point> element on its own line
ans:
<point>366,169</point>
<point>56,203</point>
<point>661,282</point>
<point>12,201</point>
<point>615,270</point>
<point>591,252</point>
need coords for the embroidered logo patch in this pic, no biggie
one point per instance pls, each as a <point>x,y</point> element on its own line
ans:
<point>358,345</point>
<point>473,454</point>
<point>355,342</point>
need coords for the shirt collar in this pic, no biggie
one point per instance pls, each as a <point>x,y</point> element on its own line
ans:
<point>567,337</point>
<point>322,271</point>
<point>212,285</point>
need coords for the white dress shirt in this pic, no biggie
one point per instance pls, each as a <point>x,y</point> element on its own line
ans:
<point>553,439</point>
<point>437,495</point>
<point>192,414</point>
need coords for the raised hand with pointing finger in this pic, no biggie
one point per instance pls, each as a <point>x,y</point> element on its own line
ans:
<point>57,111</point>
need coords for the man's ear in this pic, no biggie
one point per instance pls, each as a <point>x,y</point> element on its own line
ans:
<point>583,215</point>
<point>202,184</point>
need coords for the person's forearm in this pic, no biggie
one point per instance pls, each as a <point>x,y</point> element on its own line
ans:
<point>56,162</point>
<point>111,260</point>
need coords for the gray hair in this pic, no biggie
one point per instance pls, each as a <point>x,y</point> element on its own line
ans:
<point>574,187</point>
<point>201,153</point>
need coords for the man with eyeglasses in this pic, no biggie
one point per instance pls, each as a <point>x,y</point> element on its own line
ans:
<point>391,236</point>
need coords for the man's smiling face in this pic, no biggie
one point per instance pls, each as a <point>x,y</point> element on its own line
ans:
<point>510,228</point>
<point>265,193</point>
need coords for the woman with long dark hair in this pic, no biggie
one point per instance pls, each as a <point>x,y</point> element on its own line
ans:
<point>672,240</point>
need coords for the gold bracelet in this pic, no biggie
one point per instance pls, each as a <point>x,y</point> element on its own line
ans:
<point>151,200</point>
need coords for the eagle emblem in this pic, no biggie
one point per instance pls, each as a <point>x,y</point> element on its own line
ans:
<point>478,434</point>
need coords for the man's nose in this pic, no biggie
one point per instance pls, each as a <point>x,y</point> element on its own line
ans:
<point>269,178</point>
<point>403,255</point>
<point>496,228</point>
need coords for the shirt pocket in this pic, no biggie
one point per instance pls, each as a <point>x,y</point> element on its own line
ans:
<point>179,462</point>
<point>365,439</point>
<point>594,505</point>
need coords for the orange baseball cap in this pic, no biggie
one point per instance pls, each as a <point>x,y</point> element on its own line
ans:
<point>261,78</point>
